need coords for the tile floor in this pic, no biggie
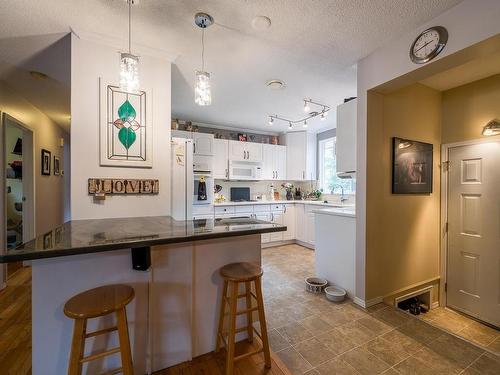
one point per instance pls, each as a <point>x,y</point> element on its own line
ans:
<point>465,327</point>
<point>314,336</point>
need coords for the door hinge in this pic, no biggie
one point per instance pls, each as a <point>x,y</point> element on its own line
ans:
<point>446,227</point>
<point>445,287</point>
<point>446,166</point>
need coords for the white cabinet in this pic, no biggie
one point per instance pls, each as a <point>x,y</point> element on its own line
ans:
<point>300,223</point>
<point>300,156</point>
<point>221,159</point>
<point>203,144</point>
<point>274,162</point>
<point>346,137</point>
<point>245,151</point>
<point>265,237</point>
<point>277,218</point>
<point>310,228</point>
<point>289,221</point>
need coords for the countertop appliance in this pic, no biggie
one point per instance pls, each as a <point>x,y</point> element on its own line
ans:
<point>245,170</point>
<point>185,182</point>
<point>240,194</point>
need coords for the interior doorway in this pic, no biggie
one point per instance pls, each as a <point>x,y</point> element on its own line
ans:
<point>473,221</point>
<point>18,170</point>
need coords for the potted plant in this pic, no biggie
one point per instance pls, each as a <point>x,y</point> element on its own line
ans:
<point>288,187</point>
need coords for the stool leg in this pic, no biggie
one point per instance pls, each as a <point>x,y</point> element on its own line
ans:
<point>233,304</point>
<point>221,317</point>
<point>126,355</point>
<point>262,321</point>
<point>77,347</point>
<point>248,289</point>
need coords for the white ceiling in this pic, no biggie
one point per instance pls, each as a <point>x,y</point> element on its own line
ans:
<point>312,45</point>
<point>49,54</point>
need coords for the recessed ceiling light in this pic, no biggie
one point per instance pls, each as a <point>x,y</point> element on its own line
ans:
<point>261,23</point>
<point>276,84</point>
<point>38,75</point>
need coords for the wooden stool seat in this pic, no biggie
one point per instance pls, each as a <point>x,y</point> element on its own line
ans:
<point>241,272</point>
<point>235,274</point>
<point>99,301</point>
<point>95,303</point>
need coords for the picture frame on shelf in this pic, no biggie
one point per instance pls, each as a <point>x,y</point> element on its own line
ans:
<point>412,166</point>
<point>46,159</point>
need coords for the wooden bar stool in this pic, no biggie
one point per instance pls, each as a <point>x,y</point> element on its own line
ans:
<point>234,274</point>
<point>95,303</point>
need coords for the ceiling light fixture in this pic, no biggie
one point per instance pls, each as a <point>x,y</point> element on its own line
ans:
<point>322,112</point>
<point>276,84</point>
<point>129,63</point>
<point>271,120</point>
<point>307,107</point>
<point>491,128</point>
<point>202,89</point>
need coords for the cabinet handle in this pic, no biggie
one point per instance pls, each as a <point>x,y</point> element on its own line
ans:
<point>303,175</point>
<point>194,148</point>
<point>276,174</point>
<point>248,154</point>
<point>284,210</point>
<point>227,173</point>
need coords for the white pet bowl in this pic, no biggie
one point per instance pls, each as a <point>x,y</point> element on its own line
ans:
<point>315,284</point>
<point>335,294</point>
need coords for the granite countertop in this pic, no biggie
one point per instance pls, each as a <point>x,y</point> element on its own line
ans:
<point>347,211</point>
<point>98,235</point>
<point>315,203</point>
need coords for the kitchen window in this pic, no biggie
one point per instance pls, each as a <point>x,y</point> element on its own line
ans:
<point>328,180</point>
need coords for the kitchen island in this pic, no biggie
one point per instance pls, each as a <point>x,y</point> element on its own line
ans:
<point>173,316</point>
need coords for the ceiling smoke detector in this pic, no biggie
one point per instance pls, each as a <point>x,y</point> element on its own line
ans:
<point>276,84</point>
<point>261,23</point>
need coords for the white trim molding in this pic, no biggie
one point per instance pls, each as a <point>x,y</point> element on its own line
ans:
<point>368,303</point>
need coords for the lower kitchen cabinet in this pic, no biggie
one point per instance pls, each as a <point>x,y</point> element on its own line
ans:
<point>265,237</point>
<point>310,225</point>
<point>289,221</point>
<point>277,218</point>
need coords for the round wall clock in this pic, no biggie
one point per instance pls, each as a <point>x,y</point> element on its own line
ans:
<point>428,44</point>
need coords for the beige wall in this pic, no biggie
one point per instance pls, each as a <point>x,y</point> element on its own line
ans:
<point>402,231</point>
<point>49,190</point>
<point>466,109</point>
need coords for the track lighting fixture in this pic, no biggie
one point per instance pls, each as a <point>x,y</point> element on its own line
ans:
<point>322,112</point>
<point>271,120</point>
<point>305,124</point>
<point>307,107</point>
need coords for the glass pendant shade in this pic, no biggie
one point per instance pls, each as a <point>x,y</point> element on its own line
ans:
<point>129,72</point>
<point>202,91</point>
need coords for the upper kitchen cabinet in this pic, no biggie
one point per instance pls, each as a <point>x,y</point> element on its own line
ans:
<point>221,158</point>
<point>245,151</point>
<point>274,162</point>
<point>203,144</point>
<point>346,137</point>
<point>300,156</point>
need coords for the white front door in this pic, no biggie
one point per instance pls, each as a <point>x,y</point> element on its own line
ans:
<point>473,273</point>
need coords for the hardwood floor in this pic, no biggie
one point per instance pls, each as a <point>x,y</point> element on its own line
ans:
<point>15,324</point>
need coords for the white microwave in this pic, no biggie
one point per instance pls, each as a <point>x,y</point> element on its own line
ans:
<point>245,170</point>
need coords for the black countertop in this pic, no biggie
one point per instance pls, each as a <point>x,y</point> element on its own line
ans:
<point>93,236</point>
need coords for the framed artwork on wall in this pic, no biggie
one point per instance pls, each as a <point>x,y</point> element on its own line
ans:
<point>411,167</point>
<point>46,162</point>
<point>57,166</point>
<point>126,127</point>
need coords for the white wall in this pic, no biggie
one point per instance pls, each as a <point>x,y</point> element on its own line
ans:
<point>468,23</point>
<point>89,61</point>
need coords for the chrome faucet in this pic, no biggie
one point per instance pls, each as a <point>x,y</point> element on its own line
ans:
<point>343,198</point>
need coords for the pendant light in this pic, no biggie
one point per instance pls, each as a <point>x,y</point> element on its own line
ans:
<point>202,90</point>
<point>129,63</point>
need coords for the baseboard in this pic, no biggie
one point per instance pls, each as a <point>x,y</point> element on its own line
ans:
<point>305,244</point>
<point>365,304</point>
<point>277,243</point>
<point>435,304</point>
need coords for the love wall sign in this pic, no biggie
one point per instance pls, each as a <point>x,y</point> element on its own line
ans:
<point>106,186</point>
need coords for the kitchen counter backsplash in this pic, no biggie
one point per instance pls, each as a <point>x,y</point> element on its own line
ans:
<point>260,188</point>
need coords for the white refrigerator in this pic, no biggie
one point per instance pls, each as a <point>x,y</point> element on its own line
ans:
<point>182,179</point>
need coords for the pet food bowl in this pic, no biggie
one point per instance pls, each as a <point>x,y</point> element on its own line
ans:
<point>335,294</point>
<point>316,284</point>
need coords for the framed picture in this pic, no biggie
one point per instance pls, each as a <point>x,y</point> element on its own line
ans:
<point>47,240</point>
<point>46,162</point>
<point>242,137</point>
<point>57,166</point>
<point>411,167</point>
<point>126,127</point>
